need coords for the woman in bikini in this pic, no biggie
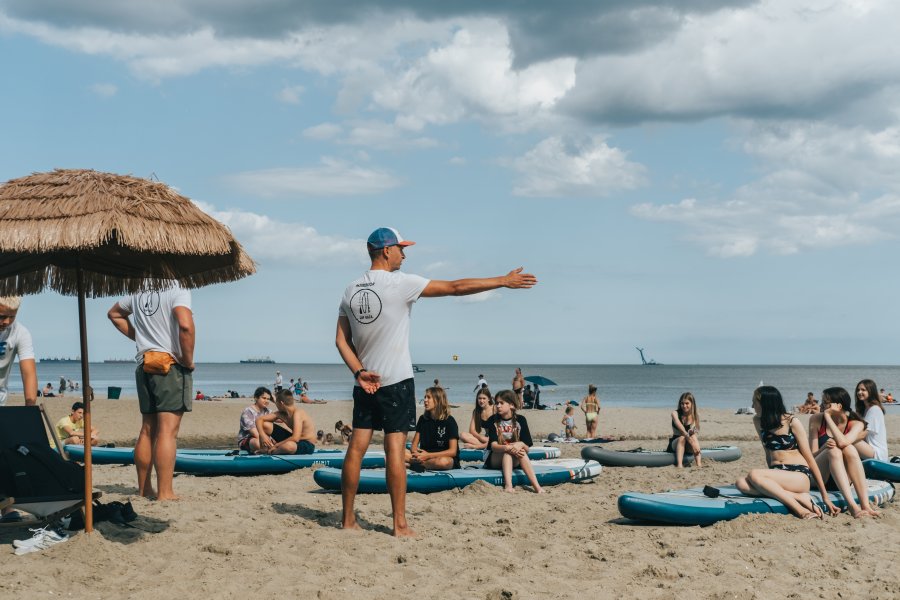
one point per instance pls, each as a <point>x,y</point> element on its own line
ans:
<point>832,434</point>
<point>590,406</point>
<point>792,469</point>
<point>868,404</point>
<point>685,427</point>
<point>484,410</point>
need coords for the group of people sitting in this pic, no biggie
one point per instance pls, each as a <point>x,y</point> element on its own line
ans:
<point>829,455</point>
<point>495,427</point>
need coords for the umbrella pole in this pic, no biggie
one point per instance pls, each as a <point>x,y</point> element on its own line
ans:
<point>86,396</point>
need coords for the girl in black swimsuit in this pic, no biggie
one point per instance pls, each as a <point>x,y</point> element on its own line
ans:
<point>792,468</point>
<point>832,434</point>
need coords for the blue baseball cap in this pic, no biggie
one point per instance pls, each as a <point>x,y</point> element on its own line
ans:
<point>386,236</point>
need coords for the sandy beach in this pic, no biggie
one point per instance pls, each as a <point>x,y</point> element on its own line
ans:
<point>234,537</point>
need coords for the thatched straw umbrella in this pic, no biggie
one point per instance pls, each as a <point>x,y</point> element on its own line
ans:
<point>86,233</point>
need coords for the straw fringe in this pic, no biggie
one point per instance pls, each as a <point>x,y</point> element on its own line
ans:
<point>78,209</point>
<point>124,232</point>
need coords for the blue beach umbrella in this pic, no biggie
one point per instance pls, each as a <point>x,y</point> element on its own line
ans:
<point>540,380</point>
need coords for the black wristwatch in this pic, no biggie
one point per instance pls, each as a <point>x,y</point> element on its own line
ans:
<point>356,375</point>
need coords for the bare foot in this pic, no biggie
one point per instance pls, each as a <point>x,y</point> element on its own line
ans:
<point>872,512</point>
<point>352,526</point>
<point>167,498</point>
<point>509,489</point>
<point>858,513</point>
<point>149,495</point>
<point>404,531</point>
<point>540,490</point>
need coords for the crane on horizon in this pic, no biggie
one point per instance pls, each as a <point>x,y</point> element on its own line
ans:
<point>644,361</point>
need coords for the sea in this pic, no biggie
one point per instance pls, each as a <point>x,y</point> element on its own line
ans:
<point>718,386</point>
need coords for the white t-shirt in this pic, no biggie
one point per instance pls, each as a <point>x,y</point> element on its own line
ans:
<point>876,432</point>
<point>379,305</point>
<point>155,325</point>
<point>14,340</point>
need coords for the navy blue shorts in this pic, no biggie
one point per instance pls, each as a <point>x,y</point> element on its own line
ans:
<point>391,409</point>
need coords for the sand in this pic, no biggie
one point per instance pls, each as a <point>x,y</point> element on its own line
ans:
<point>274,536</point>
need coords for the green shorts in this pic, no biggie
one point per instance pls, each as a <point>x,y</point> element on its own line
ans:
<point>165,393</point>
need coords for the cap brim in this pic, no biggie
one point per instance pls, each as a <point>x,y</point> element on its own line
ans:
<point>406,243</point>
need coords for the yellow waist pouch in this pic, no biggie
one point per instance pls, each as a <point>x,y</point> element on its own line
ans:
<point>157,363</point>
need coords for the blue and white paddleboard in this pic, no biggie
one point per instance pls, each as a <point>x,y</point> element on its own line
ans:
<point>225,462</point>
<point>125,456</point>
<point>548,472</point>
<point>879,469</point>
<point>692,507</point>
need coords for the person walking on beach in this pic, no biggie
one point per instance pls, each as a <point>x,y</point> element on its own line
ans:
<point>279,382</point>
<point>482,383</point>
<point>163,329</point>
<point>373,340</point>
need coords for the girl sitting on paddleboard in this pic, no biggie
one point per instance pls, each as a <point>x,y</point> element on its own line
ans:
<point>509,440</point>
<point>868,404</point>
<point>484,410</point>
<point>832,434</point>
<point>792,467</point>
<point>435,445</point>
<point>685,427</point>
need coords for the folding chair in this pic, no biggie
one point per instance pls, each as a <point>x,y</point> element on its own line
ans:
<point>21,426</point>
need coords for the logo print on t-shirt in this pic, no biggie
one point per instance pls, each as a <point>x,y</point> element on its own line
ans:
<point>149,303</point>
<point>2,349</point>
<point>366,306</point>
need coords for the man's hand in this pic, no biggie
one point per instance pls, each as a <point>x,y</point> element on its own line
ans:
<point>369,381</point>
<point>516,279</point>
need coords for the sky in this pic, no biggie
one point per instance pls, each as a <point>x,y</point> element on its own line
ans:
<point>715,181</point>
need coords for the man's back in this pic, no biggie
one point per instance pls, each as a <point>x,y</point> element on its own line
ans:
<point>156,328</point>
<point>378,307</point>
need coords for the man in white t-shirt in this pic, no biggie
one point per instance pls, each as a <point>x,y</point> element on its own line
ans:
<point>15,340</point>
<point>373,339</point>
<point>163,329</point>
<point>279,382</point>
<point>482,383</point>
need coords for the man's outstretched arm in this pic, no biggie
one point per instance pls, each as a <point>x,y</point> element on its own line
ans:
<point>515,280</point>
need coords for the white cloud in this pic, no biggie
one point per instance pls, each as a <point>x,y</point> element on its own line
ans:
<point>268,239</point>
<point>771,58</point>
<point>291,94</point>
<point>105,90</point>
<point>458,161</point>
<point>473,75</point>
<point>331,178</point>
<point>823,186</point>
<point>587,166</point>
<point>323,131</point>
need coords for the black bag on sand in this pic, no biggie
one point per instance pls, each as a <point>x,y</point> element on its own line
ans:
<point>33,470</point>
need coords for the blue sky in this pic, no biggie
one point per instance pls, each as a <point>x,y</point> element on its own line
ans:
<point>714,181</point>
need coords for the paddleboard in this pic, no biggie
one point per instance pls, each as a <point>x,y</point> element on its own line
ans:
<point>692,507</point>
<point>548,472</point>
<point>225,462</point>
<point>879,469</point>
<point>125,456</point>
<point>654,458</point>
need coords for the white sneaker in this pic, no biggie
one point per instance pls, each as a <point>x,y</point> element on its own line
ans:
<point>43,538</point>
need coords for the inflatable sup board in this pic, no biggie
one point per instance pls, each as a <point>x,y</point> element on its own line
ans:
<point>548,472</point>
<point>654,458</point>
<point>693,507</point>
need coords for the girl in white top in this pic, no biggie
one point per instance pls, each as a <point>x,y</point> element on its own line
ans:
<point>868,404</point>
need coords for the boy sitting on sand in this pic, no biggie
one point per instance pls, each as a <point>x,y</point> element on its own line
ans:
<point>70,429</point>
<point>292,430</point>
